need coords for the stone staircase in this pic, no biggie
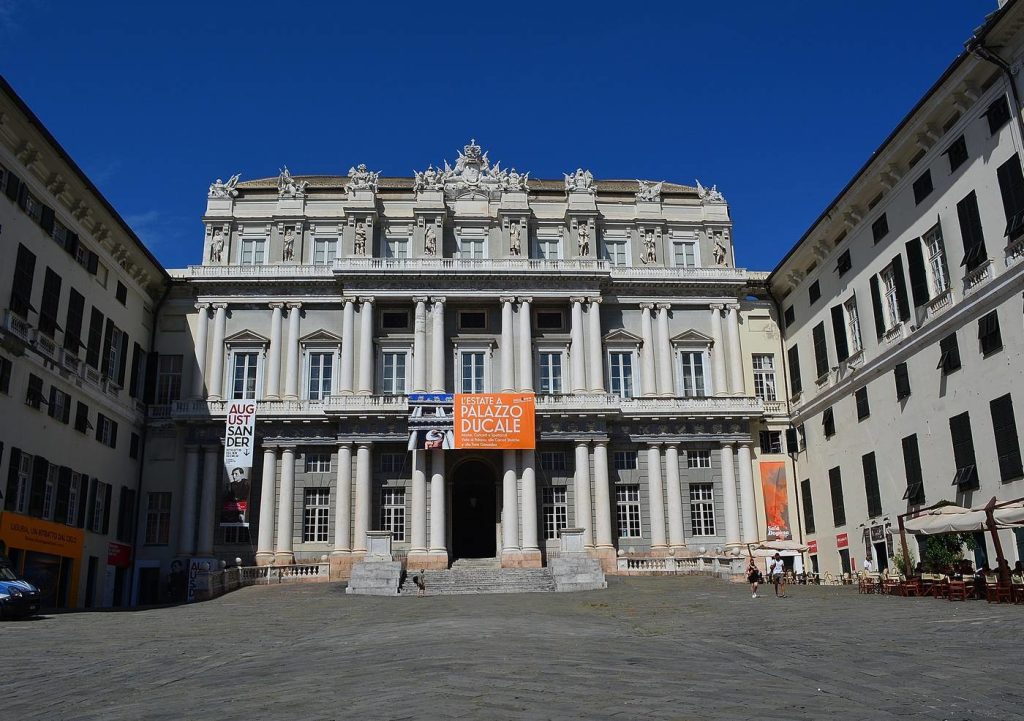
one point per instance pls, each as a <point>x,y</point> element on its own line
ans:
<point>481,575</point>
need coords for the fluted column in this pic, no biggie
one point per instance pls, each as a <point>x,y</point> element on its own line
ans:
<point>187,528</point>
<point>579,372</point>
<point>602,495</point>
<point>731,512</point>
<point>365,352</point>
<point>509,504</point>
<point>216,377</point>
<point>361,523</point>
<point>676,539</point>
<point>664,352</point>
<point>348,347</point>
<point>508,358</point>
<point>584,511</point>
<point>438,543</point>
<point>292,372</point>
<point>437,343</point>
<point>286,508</point>
<point>747,503</point>
<point>525,345</point>
<point>419,346</point>
<point>657,498</point>
<point>647,377</point>
<point>343,502</point>
<point>274,355</point>
<point>718,351</point>
<point>201,340</point>
<point>208,499</point>
<point>735,354</point>
<point>595,365</point>
<point>530,542</point>
<point>268,508</point>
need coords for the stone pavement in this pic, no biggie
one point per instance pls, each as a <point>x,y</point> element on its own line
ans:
<point>645,648</point>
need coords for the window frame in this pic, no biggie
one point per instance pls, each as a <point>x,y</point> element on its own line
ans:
<point>698,458</point>
<point>393,389</point>
<point>258,369</point>
<point>702,510</point>
<point>682,351</point>
<point>628,513</point>
<point>541,368</point>
<point>617,384</point>
<point>325,249</point>
<point>763,375</point>
<point>326,386</point>
<point>393,516</point>
<point>554,510</point>
<point>254,255</point>
<point>158,518</point>
<point>316,514</point>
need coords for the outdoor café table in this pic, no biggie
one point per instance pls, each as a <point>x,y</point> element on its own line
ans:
<point>933,584</point>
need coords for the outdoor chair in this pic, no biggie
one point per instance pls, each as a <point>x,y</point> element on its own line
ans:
<point>1017,589</point>
<point>998,593</point>
<point>956,591</point>
<point>847,579</point>
<point>890,584</point>
<point>911,587</point>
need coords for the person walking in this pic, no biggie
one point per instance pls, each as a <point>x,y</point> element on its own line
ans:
<point>778,573</point>
<point>753,577</point>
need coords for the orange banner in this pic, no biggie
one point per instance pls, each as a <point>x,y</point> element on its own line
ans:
<point>776,500</point>
<point>34,534</point>
<point>495,420</point>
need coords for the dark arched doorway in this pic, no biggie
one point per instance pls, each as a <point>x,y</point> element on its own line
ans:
<point>474,512</point>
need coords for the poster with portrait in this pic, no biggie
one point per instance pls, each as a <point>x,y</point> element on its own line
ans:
<point>776,500</point>
<point>239,451</point>
<point>431,422</point>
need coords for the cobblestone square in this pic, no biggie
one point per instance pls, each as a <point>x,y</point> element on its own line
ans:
<point>658,648</point>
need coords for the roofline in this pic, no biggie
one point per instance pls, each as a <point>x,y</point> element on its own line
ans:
<point>974,40</point>
<point>63,154</point>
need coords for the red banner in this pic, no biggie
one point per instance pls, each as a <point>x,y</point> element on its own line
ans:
<point>118,554</point>
<point>842,540</point>
<point>812,546</point>
<point>776,500</point>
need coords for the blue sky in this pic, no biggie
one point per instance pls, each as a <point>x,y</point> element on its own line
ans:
<point>777,103</point>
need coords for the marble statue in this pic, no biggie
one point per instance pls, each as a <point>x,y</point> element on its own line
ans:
<point>473,175</point>
<point>719,253</point>
<point>220,189</point>
<point>516,182</point>
<point>217,246</point>
<point>429,179</point>
<point>359,178</point>
<point>289,244</point>
<point>649,192</point>
<point>709,195</point>
<point>515,241</point>
<point>583,239</point>
<point>430,241</point>
<point>580,181</point>
<point>650,249</point>
<point>360,242</point>
<point>289,187</point>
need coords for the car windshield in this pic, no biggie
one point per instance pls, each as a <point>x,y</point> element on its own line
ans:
<point>6,574</point>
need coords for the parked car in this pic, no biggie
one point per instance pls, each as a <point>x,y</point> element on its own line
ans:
<point>18,598</point>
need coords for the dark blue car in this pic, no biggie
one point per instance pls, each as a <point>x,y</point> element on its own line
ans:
<point>18,598</point>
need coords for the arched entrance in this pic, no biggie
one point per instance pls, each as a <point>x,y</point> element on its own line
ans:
<point>474,511</point>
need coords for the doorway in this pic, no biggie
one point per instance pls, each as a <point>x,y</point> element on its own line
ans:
<point>474,511</point>
<point>881,557</point>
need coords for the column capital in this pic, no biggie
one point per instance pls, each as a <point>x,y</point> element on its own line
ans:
<point>438,299</point>
<point>294,305</point>
<point>595,299</point>
<point>343,444</point>
<point>192,447</point>
<point>419,299</point>
<point>647,306</point>
<point>285,448</point>
<point>348,299</point>
<point>364,444</point>
<point>582,444</point>
<point>600,444</point>
<point>202,306</point>
<point>577,299</point>
<point>717,306</point>
<point>728,444</point>
<point>655,444</point>
<point>664,306</point>
<point>276,305</point>
<point>366,299</point>
<point>732,306</point>
<point>218,306</point>
<point>507,299</point>
<point>526,299</point>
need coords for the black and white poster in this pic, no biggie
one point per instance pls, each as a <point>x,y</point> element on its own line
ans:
<point>239,451</point>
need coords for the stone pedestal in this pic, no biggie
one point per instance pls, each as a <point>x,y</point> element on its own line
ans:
<point>376,574</point>
<point>427,560</point>
<point>606,557</point>
<point>532,558</point>
<point>341,565</point>
<point>574,569</point>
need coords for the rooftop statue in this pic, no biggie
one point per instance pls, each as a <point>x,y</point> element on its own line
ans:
<point>359,178</point>
<point>220,189</point>
<point>473,174</point>
<point>289,187</point>
<point>649,192</point>
<point>580,181</point>
<point>709,195</point>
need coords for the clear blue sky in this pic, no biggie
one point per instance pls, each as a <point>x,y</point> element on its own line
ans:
<point>778,103</point>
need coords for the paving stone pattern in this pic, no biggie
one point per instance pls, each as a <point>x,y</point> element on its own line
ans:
<point>645,648</point>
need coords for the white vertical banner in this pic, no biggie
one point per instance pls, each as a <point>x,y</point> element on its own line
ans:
<point>239,451</point>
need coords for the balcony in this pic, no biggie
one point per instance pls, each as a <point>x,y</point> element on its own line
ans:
<point>17,326</point>
<point>642,272</point>
<point>939,304</point>
<point>978,277</point>
<point>1014,252</point>
<point>466,266</point>
<point>254,272</point>
<point>724,406</point>
<point>894,334</point>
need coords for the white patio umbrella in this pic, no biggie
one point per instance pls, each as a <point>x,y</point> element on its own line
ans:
<point>1010,516</point>
<point>767,549</point>
<point>946,519</point>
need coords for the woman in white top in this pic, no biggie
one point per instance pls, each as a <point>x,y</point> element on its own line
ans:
<point>778,576</point>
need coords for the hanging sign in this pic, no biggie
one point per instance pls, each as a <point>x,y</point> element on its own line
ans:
<point>239,450</point>
<point>495,420</point>
<point>774,487</point>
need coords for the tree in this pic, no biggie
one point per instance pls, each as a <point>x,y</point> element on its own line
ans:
<point>943,551</point>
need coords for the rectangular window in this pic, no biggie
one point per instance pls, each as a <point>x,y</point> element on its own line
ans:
<point>34,392</point>
<point>844,263</point>
<point>975,253</point>
<point>472,320</point>
<point>324,250</point>
<point>547,247</point>
<point>316,512</point>
<point>394,320</point>
<point>805,494</point>
<point>938,274</point>
<point>1004,426</point>
<point>922,187</point>
<point>863,407</point>
<point>392,512</point>
<point>21,287</point>
<point>828,422</point>
<point>158,519</point>
<point>74,498</point>
<point>92,350</point>
<point>550,320</point>
<point>471,248</point>
<point>620,373</point>
<point>1011,187</point>
<point>555,510</point>
<point>691,374</point>
<point>50,304</point>
<point>253,251</point>
<point>50,491</point>
<point>835,486</point>
<point>966,475</point>
<point>902,378</point>
<point>698,459</point>
<point>126,516</point>
<point>989,336</point>
<point>243,375</point>
<point>874,496</point>
<point>21,471</point>
<point>764,376</point>
<point>998,114</point>
<point>702,509</point>
<point>99,521</point>
<point>820,349</point>
<point>392,462</point>
<point>880,228</point>
<point>121,293</point>
<point>914,494</point>
<point>82,424</point>
<point>789,316</point>
<point>949,354</point>
<point>853,335</point>
<point>771,441</point>
<point>627,503</point>
<point>168,378</point>
<point>625,460</point>
<point>794,370</point>
<point>106,430</point>
<point>472,363</point>
<point>615,252</point>
<point>318,463</point>
<point>552,460</point>
<point>396,248</point>
<point>814,292</point>
<point>393,373</point>
<point>133,446</point>
<point>321,372</point>
<point>891,297</point>
<point>5,375</point>
<point>684,254</point>
<point>60,405</point>
<point>957,153</point>
<point>550,369</point>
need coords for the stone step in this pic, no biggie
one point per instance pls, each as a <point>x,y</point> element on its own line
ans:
<point>463,580</point>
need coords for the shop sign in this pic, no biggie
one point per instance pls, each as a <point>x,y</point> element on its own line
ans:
<point>119,554</point>
<point>34,534</point>
<point>812,546</point>
<point>495,420</point>
<point>877,534</point>
<point>842,540</point>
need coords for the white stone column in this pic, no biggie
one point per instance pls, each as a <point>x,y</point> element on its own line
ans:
<point>718,352</point>
<point>530,538</point>
<point>602,495</point>
<point>293,371</point>
<point>676,539</point>
<point>273,391</point>
<point>361,523</point>
<point>509,504</point>
<point>438,543</point>
<point>418,530</point>
<point>348,347</point>
<point>735,353</point>
<point>578,351</point>
<point>419,346</point>
<point>731,512</point>
<point>525,345</point>
<point>584,511</point>
<point>286,509</point>
<point>437,344</point>
<point>595,364</point>
<point>343,502</point>
<point>647,377</point>
<point>268,508</point>
<point>748,508</point>
<point>212,470</point>
<point>508,358</point>
<point>664,352</point>
<point>216,377</point>
<point>201,341</point>
<point>657,498</point>
<point>365,353</point>
<point>187,529</point>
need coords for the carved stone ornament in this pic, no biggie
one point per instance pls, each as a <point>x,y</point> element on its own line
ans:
<point>720,252</point>
<point>289,187</point>
<point>650,249</point>
<point>220,189</point>
<point>430,241</point>
<point>360,239</point>
<point>582,181</point>
<point>288,252</point>
<point>472,175</point>
<point>649,192</point>
<point>217,246</point>
<point>359,178</point>
<point>583,239</point>
<point>515,239</point>
<point>709,195</point>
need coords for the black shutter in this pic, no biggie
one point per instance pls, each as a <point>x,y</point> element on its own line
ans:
<point>92,349</point>
<point>1004,426</point>
<point>918,276</point>
<point>971,232</point>
<point>912,467</point>
<point>876,306</point>
<point>13,186</point>
<point>94,263</point>
<point>13,464</point>
<point>108,341</point>
<point>874,497</point>
<point>71,244</point>
<point>149,389</point>
<point>835,483</point>
<point>91,514</point>
<point>107,488</point>
<point>137,359</point>
<point>805,492</point>
<point>963,450</point>
<point>85,485</point>
<point>820,349</point>
<point>46,219</point>
<point>902,381</point>
<point>794,370</point>
<point>839,331</point>
<point>124,359</point>
<point>60,511</point>
<point>23,196</point>
<point>901,287</point>
<point>792,444</point>
<point>113,433</point>
<point>37,495</point>
<point>73,321</point>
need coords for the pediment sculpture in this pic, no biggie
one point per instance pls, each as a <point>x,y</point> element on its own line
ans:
<point>220,189</point>
<point>709,195</point>
<point>289,187</point>
<point>649,192</point>
<point>359,178</point>
<point>472,175</point>
<point>582,181</point>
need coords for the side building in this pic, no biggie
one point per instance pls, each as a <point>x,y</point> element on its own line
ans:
<point>330,300</point>
<point>902,318</point>
<point>78,290</point>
